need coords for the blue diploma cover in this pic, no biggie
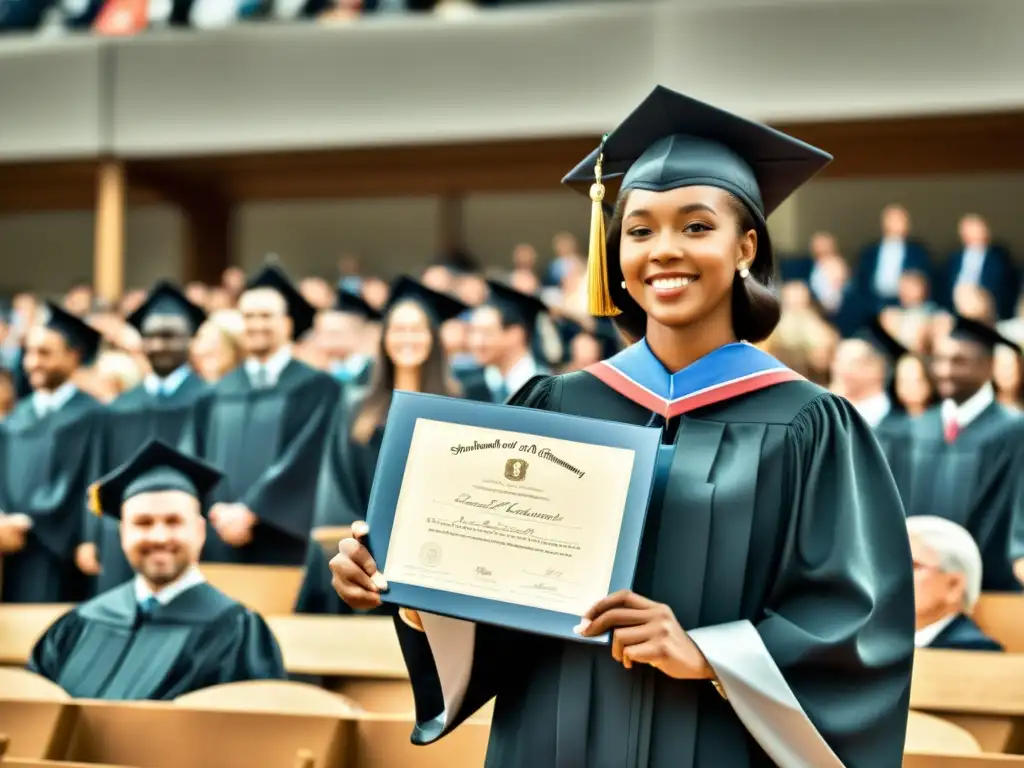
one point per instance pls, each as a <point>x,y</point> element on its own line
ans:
<point>505,515</point>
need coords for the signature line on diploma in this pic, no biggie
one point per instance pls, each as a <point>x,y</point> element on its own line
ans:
<point>506,515</point>
<point>552,576</point>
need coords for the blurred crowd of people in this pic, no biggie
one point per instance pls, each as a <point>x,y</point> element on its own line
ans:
<point>133,16</point>
<point>566,337</point>
<point>827,297</point>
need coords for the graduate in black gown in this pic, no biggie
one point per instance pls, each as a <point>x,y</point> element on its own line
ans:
<point>160,407</point>
<point>348,323</point>
<point>775,561</point>
<point>46,464</point>
<point>863,370</point>
<point>411,358</point>
<point>264,426</point>
<point>963,458</point>
<point>166,632</point>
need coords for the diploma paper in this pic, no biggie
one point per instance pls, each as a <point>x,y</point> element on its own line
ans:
<point>509,516</point>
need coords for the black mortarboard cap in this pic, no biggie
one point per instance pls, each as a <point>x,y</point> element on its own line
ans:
<point>516,308</point>
<point>875,335</point>
<point>441,306</point>
<point>165,299</point>
<point>352,303</point>
<point>154,467</point>
<point>980,333</point>
<point>672,140</point>
<point>78,334</point>
<point>301,311</point>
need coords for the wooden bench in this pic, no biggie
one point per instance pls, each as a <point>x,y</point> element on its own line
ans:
<point>175,735</point>
<point>270,590</point>
<point>1001,616</point>
<point>927,733</point>
<point>962,761</point>
<point>977,690</point>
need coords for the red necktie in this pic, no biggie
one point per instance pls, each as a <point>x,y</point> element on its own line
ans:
<point>952,430</point>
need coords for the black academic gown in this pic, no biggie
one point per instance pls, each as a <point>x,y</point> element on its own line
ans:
<point>343,496</point>
<point>129,422</point>
<point>269,444</point>
<point>962,634</point>
<point>47,465</point>
<point>891,433</point>
<point>106,649</point>
<point>474,385</point>
<point>974,482</point>
<point>777,508</point>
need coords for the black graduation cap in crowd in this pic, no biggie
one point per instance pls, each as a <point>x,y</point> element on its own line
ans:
<point>980,333</point>
<point>165,299</point>
<point>516,308</point>
<point>154,467</point>
<point>301,311</point>
<point>78,334</point>
<point>352,303</point>
<point>671,140</point>
<point>441,306</point>
<point>875,335</point>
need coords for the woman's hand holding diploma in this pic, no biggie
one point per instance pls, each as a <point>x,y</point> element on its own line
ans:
<point>645,632</point>
<point>355,576</point>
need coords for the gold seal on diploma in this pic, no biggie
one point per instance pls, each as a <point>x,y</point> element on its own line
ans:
<point>515,470</point>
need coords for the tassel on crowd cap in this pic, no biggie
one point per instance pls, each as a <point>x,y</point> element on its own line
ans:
<point>599,298</point>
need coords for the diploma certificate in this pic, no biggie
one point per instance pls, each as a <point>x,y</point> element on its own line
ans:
<point>507,515</point>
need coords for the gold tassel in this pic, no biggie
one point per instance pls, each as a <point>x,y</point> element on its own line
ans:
<point>599,298</point>
<point>94,500</point>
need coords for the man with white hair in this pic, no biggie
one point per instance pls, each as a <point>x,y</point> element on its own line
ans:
<point>947,584</point>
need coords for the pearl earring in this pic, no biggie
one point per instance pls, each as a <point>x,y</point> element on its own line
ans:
<point>744,273</point>
<point>623,285</point>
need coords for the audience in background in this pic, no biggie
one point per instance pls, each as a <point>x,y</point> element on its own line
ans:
<point>823,300</point>
<point>915,389</point>
<point>947,585</point>
<point>217,348</point>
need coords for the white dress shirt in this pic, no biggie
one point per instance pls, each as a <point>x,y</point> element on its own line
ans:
<point>190,578</point>
<point>46,403</point>
<point>970,409</point>
<point>925,637</point>
<point>828,294</point>
<point>874,408</point>
<point>273,367</point>
<point>971,266</point>
<point>168,385</point>
<point>891,254</point>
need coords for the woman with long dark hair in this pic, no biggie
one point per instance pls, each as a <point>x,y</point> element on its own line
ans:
<point>771,620</point>
<point>411,358</point>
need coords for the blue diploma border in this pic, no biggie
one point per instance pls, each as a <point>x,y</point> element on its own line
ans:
<point>408,407</point>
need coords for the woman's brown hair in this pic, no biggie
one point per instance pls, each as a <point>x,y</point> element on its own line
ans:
<point>755,307</point>
<point>434,377</point>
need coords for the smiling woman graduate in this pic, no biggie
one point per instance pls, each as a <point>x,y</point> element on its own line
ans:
<point>772,618</point>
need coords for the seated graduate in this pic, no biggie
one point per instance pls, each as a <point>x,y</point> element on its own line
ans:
<point>167,632</point>
<point>947,585</point>
<point>411,358</point>
<point>775,565</point>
